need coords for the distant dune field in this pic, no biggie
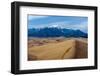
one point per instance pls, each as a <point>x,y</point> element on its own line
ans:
<point>53,49</point>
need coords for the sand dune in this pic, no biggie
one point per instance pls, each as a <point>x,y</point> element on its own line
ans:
<point>68,49</point>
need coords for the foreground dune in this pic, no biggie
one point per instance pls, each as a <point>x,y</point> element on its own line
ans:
<point>68,49</point>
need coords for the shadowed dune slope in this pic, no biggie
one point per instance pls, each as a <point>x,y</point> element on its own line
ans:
<point>81,49</point>
<point>69,49</point>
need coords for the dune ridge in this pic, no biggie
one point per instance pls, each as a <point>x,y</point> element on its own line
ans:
<point>68,49</point>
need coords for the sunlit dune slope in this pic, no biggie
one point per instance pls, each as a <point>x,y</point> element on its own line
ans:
<point>68,49</point>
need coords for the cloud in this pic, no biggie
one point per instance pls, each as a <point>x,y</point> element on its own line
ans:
<point>61,24</point>
<point>31,17</point>
<point>54,25</point>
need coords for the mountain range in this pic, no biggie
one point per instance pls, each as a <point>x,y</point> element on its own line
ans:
<point>55,32</point>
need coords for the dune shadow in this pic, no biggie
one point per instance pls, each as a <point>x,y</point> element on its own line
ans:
<point>32,57</point>
<point>81,48</point>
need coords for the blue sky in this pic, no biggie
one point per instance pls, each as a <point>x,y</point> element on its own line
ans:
<point>69,22</point>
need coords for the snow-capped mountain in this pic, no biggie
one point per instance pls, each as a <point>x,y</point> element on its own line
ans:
<point>55,32</point>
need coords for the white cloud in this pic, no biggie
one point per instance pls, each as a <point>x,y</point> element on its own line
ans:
<point>54,25</point>
<point>82,26</point>
<point>35,17</point>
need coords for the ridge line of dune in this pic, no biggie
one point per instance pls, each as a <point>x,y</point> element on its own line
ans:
<point>66,52</point>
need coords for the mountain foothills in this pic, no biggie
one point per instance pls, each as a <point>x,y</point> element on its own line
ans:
<point>55,32</point>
